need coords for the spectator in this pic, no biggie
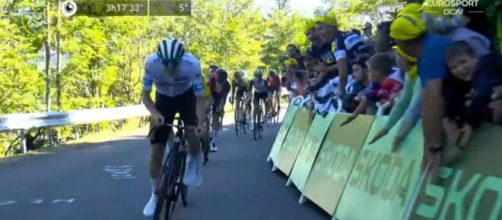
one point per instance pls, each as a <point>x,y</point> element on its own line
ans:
<point>354,90</point>
<point>291,66</point>
<point>385,83</point>
<point>368,31</point>
<point>411,36</point>
<point>469,88</point>
<point>310,61</point>
<point>349,46</point>
<point>408,106</point>
<point>294,53</point>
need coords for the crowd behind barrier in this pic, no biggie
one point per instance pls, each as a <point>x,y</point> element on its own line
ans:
<point>437,76</point>
<point>337,168</point>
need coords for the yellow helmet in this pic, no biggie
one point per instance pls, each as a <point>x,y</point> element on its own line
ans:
<point>327,17</point>
<point>407,27</point>
<point>436,7</point>
<point>308,24</point>
<point>411,8</point>
<point>407,57</point>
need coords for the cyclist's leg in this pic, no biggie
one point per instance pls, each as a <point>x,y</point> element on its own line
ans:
<point>215,115</point>
<point>256,102</point>
<point>238,107</point>
<point>278,99</point>
<point>188,113</point>
<point>221,108</point>
<point>158,140</point>
<point>267,105</point>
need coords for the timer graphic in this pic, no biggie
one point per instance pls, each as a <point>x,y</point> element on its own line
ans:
<point>100,8</point>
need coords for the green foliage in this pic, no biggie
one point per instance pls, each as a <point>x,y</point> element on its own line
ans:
<point>106,54</point>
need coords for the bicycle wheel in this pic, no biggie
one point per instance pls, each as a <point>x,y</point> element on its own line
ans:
<point>165,188</point>
<point>178,188</point>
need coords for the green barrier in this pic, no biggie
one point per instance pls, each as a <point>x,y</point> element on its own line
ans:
<point>293,141</point>
<point>335,161</point>
<point>382,182</point>
<point>281,135</point>
<point>309,149</point>
<point>472,189</point>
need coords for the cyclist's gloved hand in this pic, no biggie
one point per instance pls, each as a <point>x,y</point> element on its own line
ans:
<point>157,120</point>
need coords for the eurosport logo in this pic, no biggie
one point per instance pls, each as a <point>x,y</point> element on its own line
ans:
<point>452,7</point>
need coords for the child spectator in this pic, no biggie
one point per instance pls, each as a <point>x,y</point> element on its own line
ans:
<point>354,89</point>
<point>469,88</point>
<point>408,106</point>
<point>386,83</point>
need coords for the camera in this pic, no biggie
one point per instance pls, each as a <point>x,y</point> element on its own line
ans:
<point>68,8</point>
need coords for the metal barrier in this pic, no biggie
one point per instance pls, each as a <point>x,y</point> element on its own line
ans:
<point>22,122</point>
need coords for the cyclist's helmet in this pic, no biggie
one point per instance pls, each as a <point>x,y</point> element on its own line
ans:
<point>213,68</point>
<point>258,73</point>
<point>170,51</point>
<point>272,72</point>
<point>221,75</point>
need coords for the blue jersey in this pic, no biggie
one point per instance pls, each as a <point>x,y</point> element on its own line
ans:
<point>188,76</point>
<point>432,62</point>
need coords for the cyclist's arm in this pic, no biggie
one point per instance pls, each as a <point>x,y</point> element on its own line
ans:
<point>145,94</point>
<point>198,87</point>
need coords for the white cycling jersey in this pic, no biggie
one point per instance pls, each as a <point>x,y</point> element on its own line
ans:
<point>188,76</point>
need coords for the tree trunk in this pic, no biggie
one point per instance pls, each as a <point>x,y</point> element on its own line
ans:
<point>47,61</point>
<point>58,61</point>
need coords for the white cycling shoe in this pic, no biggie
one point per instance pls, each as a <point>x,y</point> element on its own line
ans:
<point>193,171</point>
<point>213,147</point>
<point>150,206</point>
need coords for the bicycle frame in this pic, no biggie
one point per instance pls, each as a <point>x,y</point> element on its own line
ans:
<point>171,177</point>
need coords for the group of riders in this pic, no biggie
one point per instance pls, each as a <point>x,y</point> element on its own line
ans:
<point>181,90</point>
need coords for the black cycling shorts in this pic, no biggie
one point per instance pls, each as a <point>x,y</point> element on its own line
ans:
<point>257,96</point>
<point>217,101</point>
<point>185,104</point>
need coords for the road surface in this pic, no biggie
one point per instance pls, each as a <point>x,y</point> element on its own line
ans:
<point>109,180</point>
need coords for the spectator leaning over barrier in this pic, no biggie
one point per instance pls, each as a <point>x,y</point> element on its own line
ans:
<point>408,106</point>
<point>411,36</point>
<point>349,47</point>
<point>469,89</point>
<point>386,83</point>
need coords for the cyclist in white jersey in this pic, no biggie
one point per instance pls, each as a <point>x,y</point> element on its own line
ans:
<point>177,77</point>
<point>259,86</point>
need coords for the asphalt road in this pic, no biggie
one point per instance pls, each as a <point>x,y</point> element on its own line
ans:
<point>109,181</point>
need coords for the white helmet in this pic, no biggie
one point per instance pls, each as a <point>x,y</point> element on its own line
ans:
<point>170,50</point>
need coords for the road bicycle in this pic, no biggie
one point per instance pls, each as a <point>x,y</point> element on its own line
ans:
<point>171,184</point>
